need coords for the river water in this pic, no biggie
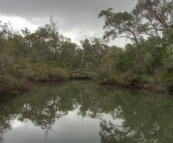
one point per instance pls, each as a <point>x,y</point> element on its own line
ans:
<point>85,112</point>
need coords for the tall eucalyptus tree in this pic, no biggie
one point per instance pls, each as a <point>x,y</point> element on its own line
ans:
<point>158,14</point>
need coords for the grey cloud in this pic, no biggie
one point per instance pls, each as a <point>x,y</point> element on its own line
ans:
<point>70,14</point>
<point>67,9</point>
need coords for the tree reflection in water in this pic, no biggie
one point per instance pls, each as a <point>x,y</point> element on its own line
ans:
<point>6,117</point>
<point>146,117</point>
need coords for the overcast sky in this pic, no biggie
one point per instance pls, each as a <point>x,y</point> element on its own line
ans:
<point>76,18</point>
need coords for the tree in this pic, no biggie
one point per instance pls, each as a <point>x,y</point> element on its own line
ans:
<point>47,40</point>
<point>100,49</point>
<point>158,14</point>
<point>171,15</point>
<point>55,37</point>
<point>67,53</point>
<point>85,44</point>
<point>6,31</point>
<point>94,49</point>
<point>122,24</point>
<point>149,17</point>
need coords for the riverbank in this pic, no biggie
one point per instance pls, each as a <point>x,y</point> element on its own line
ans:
<point>13,86</point>
<point>152,83</point>
<point>26,78</point>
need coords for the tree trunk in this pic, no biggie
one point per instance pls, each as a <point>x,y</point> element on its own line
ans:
<point>82,57</point>
<point>162,13</point>
<point>55,55</point>
<point>171,15</point>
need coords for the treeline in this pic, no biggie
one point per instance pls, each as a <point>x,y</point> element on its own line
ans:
<point>146,65</point>
<point>47,55</point>
<point>147,62</point>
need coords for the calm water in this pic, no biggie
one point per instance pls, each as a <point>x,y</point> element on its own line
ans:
<point>84,112</point>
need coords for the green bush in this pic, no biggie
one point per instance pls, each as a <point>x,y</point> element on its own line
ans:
<point>11,85</point>
<point>81,74</point>
<point>169,78</point>
<point>57,74</point>
<point>34,74</point>
<point>8,84</point>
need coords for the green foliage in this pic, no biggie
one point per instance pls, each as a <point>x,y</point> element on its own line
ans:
<point>53,64</point>
<point>105,69</point>
<point>94,50</point>
<point>12,85</point>
<point>43,72</point>
<point>57,74</point>
<point>169,80</point>
<point>81,74</point>
<point>156,13</point>
<point>8,84</point>
<point>47,55</point>
<point>145,60</point>
<point>122,24</point>
<point>34,57</point>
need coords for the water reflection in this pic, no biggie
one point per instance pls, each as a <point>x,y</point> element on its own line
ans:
<point>78,110</point>
<point>6,117</point>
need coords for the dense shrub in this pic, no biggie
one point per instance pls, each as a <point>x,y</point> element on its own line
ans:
<point>11,85</point>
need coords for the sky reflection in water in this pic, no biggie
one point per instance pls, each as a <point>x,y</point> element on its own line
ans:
<point>71,128</point>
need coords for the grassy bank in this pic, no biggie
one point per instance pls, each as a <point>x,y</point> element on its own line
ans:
<point>158,83</point>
